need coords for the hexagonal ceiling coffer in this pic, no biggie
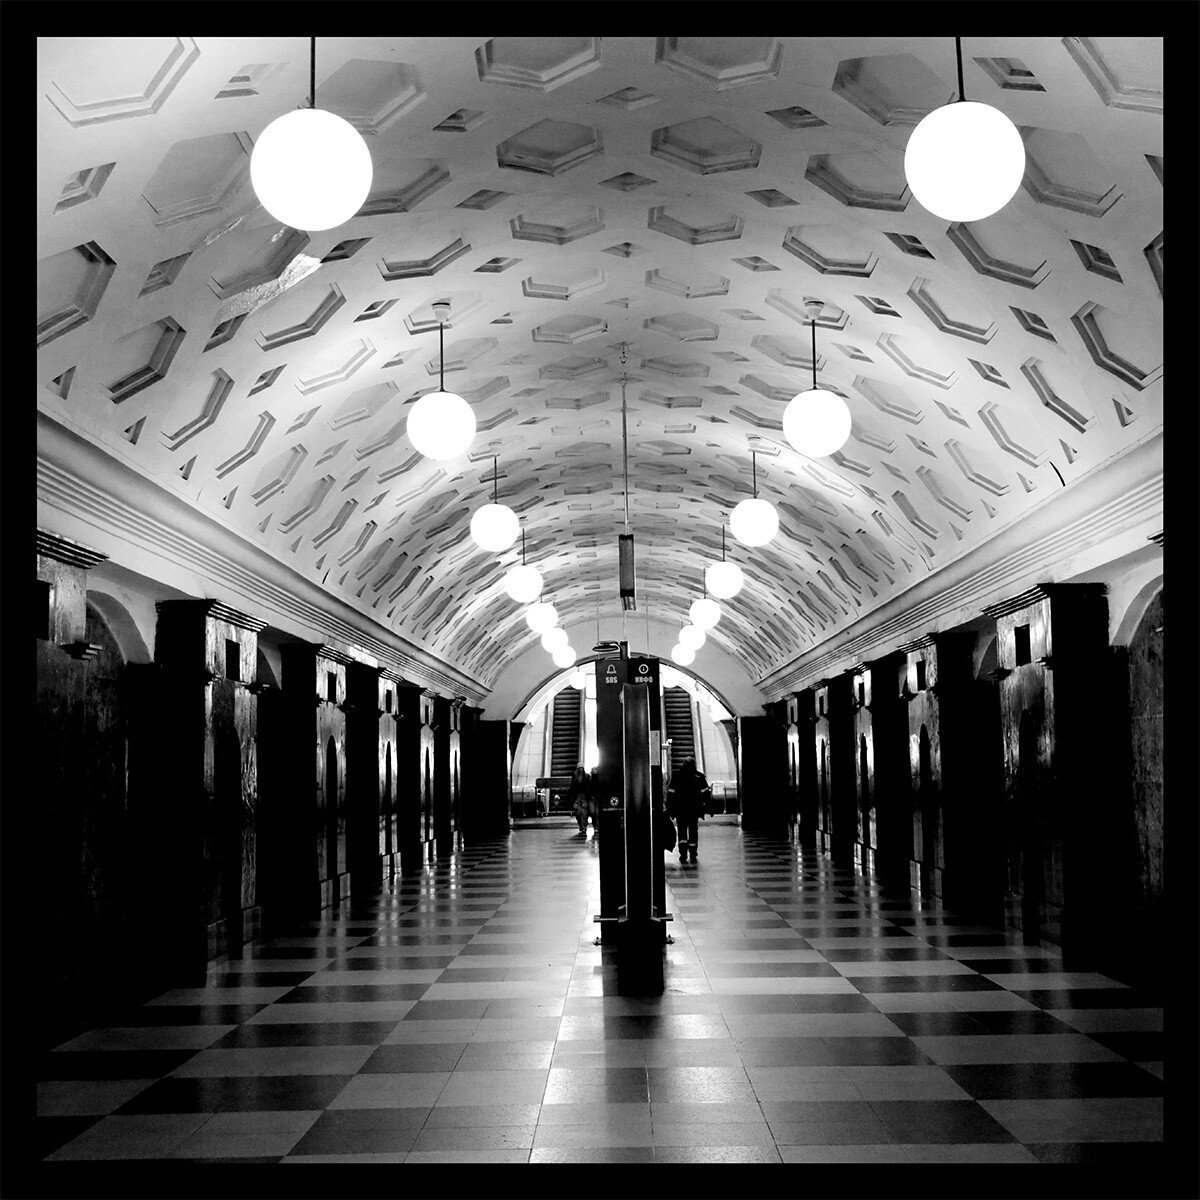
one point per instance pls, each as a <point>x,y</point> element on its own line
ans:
<point>575,327</point>
<point>334,365</point>
<point>243,260</point>
<point>695,222</point>
<point>724,62</point>
<point>1062,170</point>
<point>558,224</point>
<point>696,284</point>
<point>861,179</point>
<point>994,250</point>
<point>918,361</point>
<point>400,184</point>
<point>683,327</point>
<point>198,175</point>
<point>574,366</point>
<point>461,354</point>
<point>952,310</point>
<point>424,320</point>
<point>562,282</point>
<point>792,352</point>
<point>142,358</point>
<point>1112,342</point>
<point>893,89</point>
<point>371,95</point>
<point>1127,72</point>
<point>830,250</point>
<point>792,305</point>
<point>541,64</point>
<point>122,77</point>
<point>550,147</point>
<point>70,286</point>
<point>706,145</point>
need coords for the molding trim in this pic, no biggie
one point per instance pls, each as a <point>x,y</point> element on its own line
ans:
<point>151,531</point>
<point>1102,516</point>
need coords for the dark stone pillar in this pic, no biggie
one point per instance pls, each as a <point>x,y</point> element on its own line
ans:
<point>808,795</point>
<point>486,782</point>
<point>733,803</point>
<point>762,774</point>
<point>314,685</point>
<point>866,841</point>
<point>834,749</point>
<point>1063,803</point>
<point>389,775</point>
<point>443,829</point>
<point>414,753</point>
<point>364,768</point>
<point>209,654</point>
<point>883,722</point>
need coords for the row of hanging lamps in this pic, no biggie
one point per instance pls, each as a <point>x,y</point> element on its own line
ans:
<point>683,656</point>
<point>440,424</point>
<point>754,522</point>
<point>542,616</point>
<point>554,638</point>
<point>495,526</point>
<point>578,679</point>
<point>705,612</point>
<point>816,422</point>
<point>309,168</point>
<point>692,636</point>
<point>724,579</point>
<point>965,160</point>
<point>522,582</point>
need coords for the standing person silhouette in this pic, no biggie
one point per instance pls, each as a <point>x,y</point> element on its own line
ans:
<point>685,802</point>
<point>578,793</point>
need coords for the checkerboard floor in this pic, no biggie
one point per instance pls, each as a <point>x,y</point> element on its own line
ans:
<point>811,1015</point>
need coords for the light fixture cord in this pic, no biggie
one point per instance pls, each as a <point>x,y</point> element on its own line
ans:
<point>958,52</point>
<point>814,354</point>
<point>312,76</point>
<point>495,480</point>
<point>754,472</point>
<point>722,543</point>
<point>442,357</point>
<point>624,437</point>
<point>522,545</point>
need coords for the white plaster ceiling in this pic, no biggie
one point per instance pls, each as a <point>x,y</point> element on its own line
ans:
<point>675,199</point>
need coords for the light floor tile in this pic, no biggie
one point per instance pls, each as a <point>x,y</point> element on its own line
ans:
<point>416,1089</point>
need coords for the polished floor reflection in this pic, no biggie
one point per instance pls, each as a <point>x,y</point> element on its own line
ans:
<point>811,1015</point>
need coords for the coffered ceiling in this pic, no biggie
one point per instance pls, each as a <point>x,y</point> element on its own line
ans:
<point>653,209</point>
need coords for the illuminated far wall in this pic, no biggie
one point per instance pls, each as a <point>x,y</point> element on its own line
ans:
<point>531,761</point>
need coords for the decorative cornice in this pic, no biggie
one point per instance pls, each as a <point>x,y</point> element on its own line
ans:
<point>50,545</point>
<point>82,484</point>
<point>1093,513</point>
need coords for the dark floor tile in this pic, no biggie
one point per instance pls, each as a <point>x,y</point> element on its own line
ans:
<point>317,1033</point>
<point>940,1024</point>
<point>914,953</point>
<point>49,1133</point>
<point>148,1015</point>
<point>937,938</point>
<point>380,1139</point>
<point>416,939</point>
<point>756,1004</point>
<point>354,992</point>
<point>1013,1021</point>
<point>109,1064</point>
<point>297,952</point>
<point>1012,966</point>
<point>1053,998</point>
<point>257,979</point>
<point>446,1010</point>
<point>924,983</point>
<point>488,974</point>
<point>413,1057</point>
<point>1037,1081</point>
<point>832,1002</point>
<point>396,962</point>
<point>1136,1045</point>
<point>1144,1156</point>
<point>260,1093</point>
<point>875,1051</point>
<point>832,1112</point>
<point>787,1052</point>
<point>943,1121</point>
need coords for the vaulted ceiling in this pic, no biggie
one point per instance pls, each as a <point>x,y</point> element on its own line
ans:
<point>653,209</point>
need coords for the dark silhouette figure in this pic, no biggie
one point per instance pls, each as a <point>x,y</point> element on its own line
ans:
<point>685,802</point>
<point>579,796</point>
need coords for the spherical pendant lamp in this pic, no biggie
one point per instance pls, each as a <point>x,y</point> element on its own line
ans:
<point>705,612</point>
<point>816,422</point>
<point>440,424</point>
<point>564,657</point>
<point>495,526</point>
<point>683,656</point>
<point>523,583</point>
<point>724,579</point>
<point>578,680</point>
<point>965,160</point>
<point>692,636</point>
<point>310,169</point>
<point>554,638</point>
<point>754,522</point>
<point>540,617</point>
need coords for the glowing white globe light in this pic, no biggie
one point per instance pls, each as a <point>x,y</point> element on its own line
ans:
<point>578,680</point>
<point>754,522</point>
<point>441,425</point>
<point>683,656</point>
<point>564,657</point>
<point>724,579</point>
<point>816,423</point>
<point>540,617</point>
<point>523,583</point>
<point>692,636</point>
<point>310,169</point>
<point>964,161</point>
<point>554,638</point>
<point>705,612</point>
<point>667,678</point>
<point>495,527</point>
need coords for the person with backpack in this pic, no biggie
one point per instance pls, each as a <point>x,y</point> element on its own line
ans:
<point>686,797</point>
<point>579,797</point>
